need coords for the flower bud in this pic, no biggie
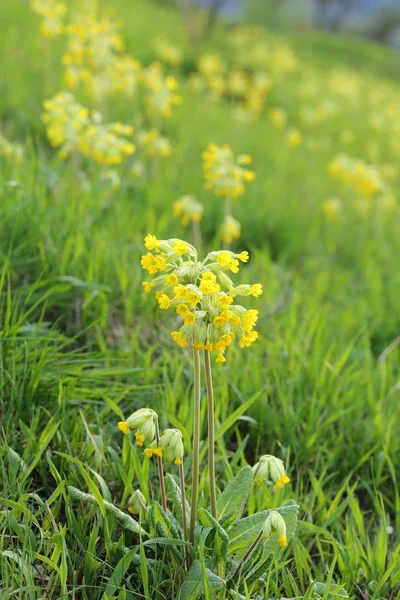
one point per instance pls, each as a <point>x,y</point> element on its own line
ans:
<point>136,502</point>
<point>275,523</point>
<point>270,467</point>
<point>143,420</point>
<point>171,445</point>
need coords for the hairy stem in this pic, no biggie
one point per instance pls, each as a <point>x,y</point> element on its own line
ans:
<point>211,436</point>
<point>160,469</point>
<point>184,515</point>
<point>196,444</point>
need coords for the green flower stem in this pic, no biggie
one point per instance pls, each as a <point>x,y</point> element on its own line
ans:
<point>196,444</point>
<point>160,469</point>
<point>184,515</point>
<point>246,556</point>
<point>211,437</point>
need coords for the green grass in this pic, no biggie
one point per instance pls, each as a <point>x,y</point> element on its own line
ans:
<point>81,343</point>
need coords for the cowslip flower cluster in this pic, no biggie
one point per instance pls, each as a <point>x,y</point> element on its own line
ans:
<point>363,178</point>
<point>230,230</point>
<point>224,173</point>
<point>275,523</point>
<point>167,52</point>
<point>105,142</point>
<point>202,294</point>
<point>161,96</point>
<point>92,46</point>
<point>143,422</point>
<point>65,119</point>
<point>71,128</point>
<point>12,151</point>
<point>188,210</point>
<point>270,468</point>
<point>52,13</point>
<point>153,143</point>
<point>170,446</point>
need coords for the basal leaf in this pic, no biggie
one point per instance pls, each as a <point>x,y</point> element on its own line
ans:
<point>193,586</point>
<point>235,493</point>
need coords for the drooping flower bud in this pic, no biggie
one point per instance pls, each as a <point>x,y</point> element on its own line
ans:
<point>270,467</point>
<point>143,420</point>
<point>171,445</point>
<point>275,523</point>
<point>136,502</point>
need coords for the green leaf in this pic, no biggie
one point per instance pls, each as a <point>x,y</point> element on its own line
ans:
<point>193,586</point>
<point>221,540</point>
<point>245,531</point>
<point>259,571</point>
<point>125,520</point>
<point>116,578</point>
<point>165,528</point>
<point>235,493</point>
<point>175,498</point>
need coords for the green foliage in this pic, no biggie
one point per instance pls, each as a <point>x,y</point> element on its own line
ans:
<point>80,347</point>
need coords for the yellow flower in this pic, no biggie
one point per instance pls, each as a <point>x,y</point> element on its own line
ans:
<point>282,541</point>
<point>164,302</point>
<point>180,247</point>
<point>147,286</point>
<point>140,437</point>
<point>151,242</point>
<point>209,287</point>
<point>172,279</point>
<point>243,256</point>
<point>220,358</point>
<point>189,318</point>
<point>224,258</point>
<point>124,427</point>
<point>179,339</point>
<point>256,289</point>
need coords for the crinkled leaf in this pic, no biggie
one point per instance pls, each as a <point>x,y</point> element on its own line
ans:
<point>175,498</point>
<point>235,493</point>
<point>164,527</point>
<point>193,585</point>
<point>222,539</point>
<point>259,571</point>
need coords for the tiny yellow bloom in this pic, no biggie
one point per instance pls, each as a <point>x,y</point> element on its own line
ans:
<point>147,286</point>
<point>256,289</point>
<point>282,541</point>
<point>243,256</point>
<point>124,427</point>
<point>148,452</point>
<point>139,439</point>
<point>180,247</point>
<point>220,358</point>
<point>164,302</point>
<point>172,279</point>
<point>151,242</point>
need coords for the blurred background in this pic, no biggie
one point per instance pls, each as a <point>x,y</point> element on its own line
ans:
<point>378,20</point>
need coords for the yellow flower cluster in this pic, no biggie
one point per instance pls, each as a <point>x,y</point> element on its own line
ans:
<point>231,229</point>
<point>11,150</point>
<point>65,119</point>
<point>105,143</point>
<point>167,52</point>
<point>224,173</point>
<point>153,143</point>
<point>363,178</point>
<point>70,128</point>
<point>160,94</point>
<point>92,58</point>
<point>188,210</point>
<point>331,208</point>
<point>202,294</point>
<point>52,13</point>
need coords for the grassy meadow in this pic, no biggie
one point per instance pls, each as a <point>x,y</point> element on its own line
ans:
<point>82,345</point>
